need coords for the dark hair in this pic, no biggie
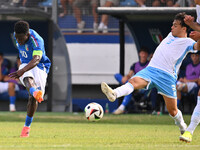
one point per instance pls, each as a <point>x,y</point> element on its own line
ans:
<point>1,54</point>
<point>180,17</point>
<point>144,49</point>
<point>21,27</point>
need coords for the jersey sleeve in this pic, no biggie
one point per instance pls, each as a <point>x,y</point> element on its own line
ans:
<point>191,43</point>
<point>37,45</point>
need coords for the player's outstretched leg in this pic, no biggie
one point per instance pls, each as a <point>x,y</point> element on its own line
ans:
<point>109,92</point>
<point>186,137</point>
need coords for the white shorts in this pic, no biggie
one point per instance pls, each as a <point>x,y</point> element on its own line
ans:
<point>190,85</point>
<point>4,87</point>
<point>37,74</point>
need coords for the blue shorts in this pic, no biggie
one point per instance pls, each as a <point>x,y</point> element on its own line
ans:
<point>162,80</point>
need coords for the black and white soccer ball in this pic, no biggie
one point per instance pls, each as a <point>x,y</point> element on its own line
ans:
<point>94,112</point>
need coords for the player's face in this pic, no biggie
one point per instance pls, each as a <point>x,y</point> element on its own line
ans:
<point>22,38</point>
<point>177,29</point>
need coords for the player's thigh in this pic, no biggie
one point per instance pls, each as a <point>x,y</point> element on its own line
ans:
<point>138,82</point>
<point>40,78</point>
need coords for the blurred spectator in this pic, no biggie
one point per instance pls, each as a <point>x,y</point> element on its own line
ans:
<point>141,3</point>
<point>7,85</point>
<point>162,3</point>
<point>28,3</point>
<point>103,26</point>
<point>190,81</point>
<point>184,3</point>
<point>136,67</point>
<point>77,6</point>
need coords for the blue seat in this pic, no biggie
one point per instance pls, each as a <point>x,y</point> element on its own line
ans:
<point>128,3</point>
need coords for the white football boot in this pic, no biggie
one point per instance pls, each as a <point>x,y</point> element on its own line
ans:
<point>109,92</point>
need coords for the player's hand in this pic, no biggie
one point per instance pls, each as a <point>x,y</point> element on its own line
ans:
<point>195,35</point>
<point>188,20</point>
<point>16,74</point>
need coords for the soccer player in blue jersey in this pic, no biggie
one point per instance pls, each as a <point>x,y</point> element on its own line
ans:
<point>33,70</point>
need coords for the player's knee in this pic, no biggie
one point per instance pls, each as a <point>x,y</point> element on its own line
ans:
<point>138,83</point>
<point>173,112</point>
<point>11,85</point>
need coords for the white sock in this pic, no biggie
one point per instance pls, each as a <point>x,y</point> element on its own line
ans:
<point>178,118</point>
<point>121,107</point>
<point>125,89</point>
<point>195,119</point>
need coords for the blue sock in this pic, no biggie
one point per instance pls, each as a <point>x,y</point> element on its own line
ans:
<point>28,121</point>
<point>31,90</point>
<point>178,102</point>
<point>126,99</point>
<point>12,99</point>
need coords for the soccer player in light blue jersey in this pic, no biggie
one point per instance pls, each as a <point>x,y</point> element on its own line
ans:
<point>33,70</point>
<point>162,70</point>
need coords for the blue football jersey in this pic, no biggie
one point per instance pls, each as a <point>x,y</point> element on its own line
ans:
<point>34,43</point>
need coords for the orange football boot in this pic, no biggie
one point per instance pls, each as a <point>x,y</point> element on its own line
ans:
<point>25,132</point>
<point>38,96</point>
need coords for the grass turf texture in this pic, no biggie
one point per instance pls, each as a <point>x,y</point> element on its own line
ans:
<point>73,131</point>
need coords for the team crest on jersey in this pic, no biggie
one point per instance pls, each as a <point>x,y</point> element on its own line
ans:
<point>156,35</point>
<point>26,47</point>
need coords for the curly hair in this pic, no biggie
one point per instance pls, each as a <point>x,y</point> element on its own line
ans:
<point>21,27</point>
<point>180,17</point>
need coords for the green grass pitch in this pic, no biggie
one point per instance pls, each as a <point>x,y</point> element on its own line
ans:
<point>61,131</point>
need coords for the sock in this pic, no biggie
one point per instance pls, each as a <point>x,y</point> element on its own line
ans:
<point>126,99</point>
<point>28,121</point>
<point>12,100</point>
<point>195,119</point>
<point>32,90</point>
<point>123,90</point>
<point>178,118</point>
<point>178,102</point>
<point>121,107</point>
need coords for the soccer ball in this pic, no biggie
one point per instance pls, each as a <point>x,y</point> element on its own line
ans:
<point>94,112</point>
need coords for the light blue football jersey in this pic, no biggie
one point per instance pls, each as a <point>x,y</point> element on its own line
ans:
<point>34,43</point>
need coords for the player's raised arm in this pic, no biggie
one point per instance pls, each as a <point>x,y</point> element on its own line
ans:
<point>34,62</point>
<point>189,20</point>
